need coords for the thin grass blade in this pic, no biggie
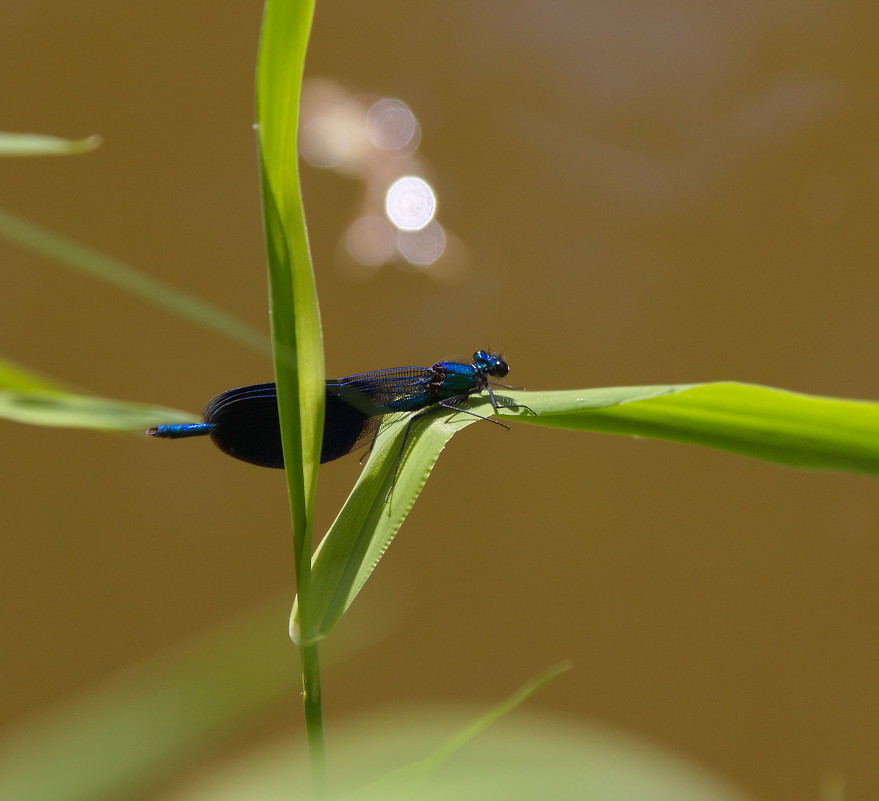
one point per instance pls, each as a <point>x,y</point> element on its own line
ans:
<point>65,410</point>
<point>407,779</point>
<point>112,271</point>
<point>22,144</point>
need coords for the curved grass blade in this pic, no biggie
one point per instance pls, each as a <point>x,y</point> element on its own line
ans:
<point>367,523</point>
<point>22,144</point>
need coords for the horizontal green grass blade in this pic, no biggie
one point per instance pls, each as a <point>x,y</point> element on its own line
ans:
<point>65,410</point>
<point>788,428</point>
<point>21,144</point>
<point>27,397</point>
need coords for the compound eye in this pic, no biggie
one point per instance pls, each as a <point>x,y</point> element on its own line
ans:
<point>500,368</point>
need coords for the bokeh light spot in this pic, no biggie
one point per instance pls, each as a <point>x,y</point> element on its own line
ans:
<point>323,143</point>
<point>410,203</point>
<point>371,240</point>
<point>424,246</point>
<point>392,127</point>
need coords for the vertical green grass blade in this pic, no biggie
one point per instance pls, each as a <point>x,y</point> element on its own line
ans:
<point>295,321</point>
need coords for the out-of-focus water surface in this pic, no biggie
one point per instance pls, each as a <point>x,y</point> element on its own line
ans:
<point>611,193</point>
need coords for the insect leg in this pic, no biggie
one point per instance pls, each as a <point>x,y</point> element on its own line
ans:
<point>498,406</point>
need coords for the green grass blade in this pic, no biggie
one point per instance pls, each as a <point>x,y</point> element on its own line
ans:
<point>29,398</point>
<point>295,319</point>
<point>19,144</point>
<point>296,334</point>
<point>783,427</point>
<point>65,410</point>
<point>366,525</point>
<point>787,428</point>
<point>72,254</point>
<point>17,378</point>
<point>407,779</point>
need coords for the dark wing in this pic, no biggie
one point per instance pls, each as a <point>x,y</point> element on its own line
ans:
<point>246,424</point>
<point>346,426</point>
<point>385,391</point>
<point>356,404</point>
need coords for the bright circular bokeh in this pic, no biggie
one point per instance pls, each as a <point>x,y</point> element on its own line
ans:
<point>410,203</point>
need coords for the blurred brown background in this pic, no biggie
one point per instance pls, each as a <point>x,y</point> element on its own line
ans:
<point>643,192</point>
